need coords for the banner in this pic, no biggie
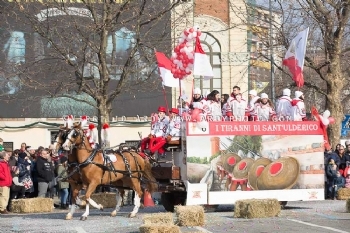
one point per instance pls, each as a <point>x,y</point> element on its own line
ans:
<point>256,128</point>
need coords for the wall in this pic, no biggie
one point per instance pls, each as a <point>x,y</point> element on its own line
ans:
<point>39,135</point>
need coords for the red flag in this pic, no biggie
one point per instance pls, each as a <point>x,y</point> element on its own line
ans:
<point>164,65</point>
<point>295,56</point>
<point>201,65</point>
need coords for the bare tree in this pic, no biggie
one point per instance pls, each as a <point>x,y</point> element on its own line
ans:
<point>326,71</point>
<point>91,51</point>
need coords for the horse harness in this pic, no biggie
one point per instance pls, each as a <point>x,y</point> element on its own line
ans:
<point>107,165</point>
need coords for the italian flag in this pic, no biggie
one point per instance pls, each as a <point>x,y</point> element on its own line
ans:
<point>295,57</point>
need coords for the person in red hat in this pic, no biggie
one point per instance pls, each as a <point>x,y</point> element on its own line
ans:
<point>156,139</point>
<point>173,132</point>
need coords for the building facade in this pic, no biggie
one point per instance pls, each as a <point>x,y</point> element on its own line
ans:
<point>235,37</point>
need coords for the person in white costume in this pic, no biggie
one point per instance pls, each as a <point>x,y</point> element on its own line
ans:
<point>173,131</point>
<point>298,107</point>
<point>237,108</point>
<point>197,100</point>
<point>284,106</point>
<point>263,109</point>
<point>224,104</point>
<point>212,109</point>
<point>253,97</point>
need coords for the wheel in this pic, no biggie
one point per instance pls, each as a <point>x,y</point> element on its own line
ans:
<point>170,200</point>
<point>210,208</point>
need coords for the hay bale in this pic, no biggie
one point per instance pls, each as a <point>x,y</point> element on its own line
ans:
<point>32,205</point>
<point>257,208</point>
<point>107,200</point>
<point>190,215</point>
<point>159,218</point>
<point>348,205</point>
<point>158,228</point>
<point>343,194</point>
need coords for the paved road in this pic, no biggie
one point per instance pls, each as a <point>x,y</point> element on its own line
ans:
<point>308,217</point>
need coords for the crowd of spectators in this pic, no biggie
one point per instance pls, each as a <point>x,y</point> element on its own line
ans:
<point>337,175</point>
<point>30,173</point>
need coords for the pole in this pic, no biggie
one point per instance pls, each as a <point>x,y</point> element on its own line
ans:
<point>161,78</point>
<point>272,73</point>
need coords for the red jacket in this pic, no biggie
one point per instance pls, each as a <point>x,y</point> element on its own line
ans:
<point>5,174</point>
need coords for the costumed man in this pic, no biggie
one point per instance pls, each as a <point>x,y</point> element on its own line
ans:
<point>212,109</point>
<point>173,131</point>
<point>156,139</point>
<point>235,91</point>
<point>263,109</point>
<point>298,107</point>
<point>284,106</point>
<point>237,108</point>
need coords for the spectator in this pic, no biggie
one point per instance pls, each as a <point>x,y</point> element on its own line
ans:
<point>17,188</point>
<point>347,147</point>
<point>44,171</point>
<point>332,170</point>
<point>343,157</point>
<point>347,181</point>
<point>24,149</point>
<point>33,173</point>
<point>63,185</point>
<point>338,182</point>
<point>5,181</point>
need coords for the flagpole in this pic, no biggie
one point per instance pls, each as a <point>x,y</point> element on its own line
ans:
<point>272,73</point>
<point>180,97</point>
<point>164,94</point>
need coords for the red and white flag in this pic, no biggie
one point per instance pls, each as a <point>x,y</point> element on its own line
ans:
<point>201,65</point>
<point>295,57</point>
<point>164,65</point>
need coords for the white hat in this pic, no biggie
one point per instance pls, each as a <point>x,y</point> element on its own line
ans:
<point>264,96</point>
<point>253,92</point>
<point>197,91</point>
<point>298,94</point>
<point>286,92</point>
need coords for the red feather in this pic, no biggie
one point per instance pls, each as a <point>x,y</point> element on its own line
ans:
<point>91,126</point>
<point>105,126</point>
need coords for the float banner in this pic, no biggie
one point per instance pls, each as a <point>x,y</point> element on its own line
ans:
<point>255,128</point>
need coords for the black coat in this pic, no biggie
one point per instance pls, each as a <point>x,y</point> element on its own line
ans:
<point>44,170</point>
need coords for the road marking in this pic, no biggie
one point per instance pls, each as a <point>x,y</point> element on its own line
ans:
<point>203,230</point>
<point>80,230</point>
<point>319,226</point>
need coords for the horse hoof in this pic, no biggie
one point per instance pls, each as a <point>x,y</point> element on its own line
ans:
<point>114,213</point>
<point>132,215</point>
<point>68,217</point>
<point>83,218</point>
<point>101,207</point>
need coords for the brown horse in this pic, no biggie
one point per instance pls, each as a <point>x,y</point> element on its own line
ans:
<point>74,178</point>
<point>129,169</point>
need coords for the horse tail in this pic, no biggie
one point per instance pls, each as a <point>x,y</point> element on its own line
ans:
<point>152,184</point>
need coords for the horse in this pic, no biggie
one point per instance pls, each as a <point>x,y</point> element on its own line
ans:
<point>73,178</point>
<point>95,169</point>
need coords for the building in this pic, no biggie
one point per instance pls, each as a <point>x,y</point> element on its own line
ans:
<point>235,37</point>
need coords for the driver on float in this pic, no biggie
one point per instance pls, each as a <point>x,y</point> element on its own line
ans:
<point>173,132</point>
<point>156,139</point>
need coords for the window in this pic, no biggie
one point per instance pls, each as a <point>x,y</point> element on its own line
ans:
<point>213,50</point>
<point>53,135</point>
